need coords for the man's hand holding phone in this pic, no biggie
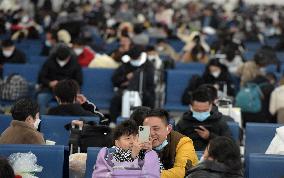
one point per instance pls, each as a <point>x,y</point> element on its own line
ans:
<point>203,132</point>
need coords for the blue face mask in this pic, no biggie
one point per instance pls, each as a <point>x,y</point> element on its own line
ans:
<point>200,116</point>
<point>160,147</point>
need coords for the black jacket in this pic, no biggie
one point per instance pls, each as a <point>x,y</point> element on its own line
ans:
<point>148,70</point>
<point>17,57</point>
<point>215,123</point>
<point>52,71</point>
<point>213,169</point>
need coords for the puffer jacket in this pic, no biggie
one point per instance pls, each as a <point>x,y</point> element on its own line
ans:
<point>213,169</point>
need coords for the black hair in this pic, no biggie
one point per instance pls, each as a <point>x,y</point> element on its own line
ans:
<point>63,52</point>
<point>139,114</point>
<point>7,43</point>
<point>79,41</point>
<point>225,150</point>
<point>23,108</point>
<point>6,170</point>
<point>212,91</point>
<point>150,48</point>
<point>66,90</point>
<point>135,52</point>
<point>127,127</point>
<point>201,95</point>
<point>161,113</point>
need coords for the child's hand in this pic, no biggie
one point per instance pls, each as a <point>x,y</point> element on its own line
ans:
<point>137,146</point>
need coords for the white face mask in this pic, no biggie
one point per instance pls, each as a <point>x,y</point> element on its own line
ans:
<point>36,123</point>
<point>160,48</point>
<point>62,63</point>
<point>140,61</point>
<point>78,51</point>
<point>8,53</point>
<point>216,74</point>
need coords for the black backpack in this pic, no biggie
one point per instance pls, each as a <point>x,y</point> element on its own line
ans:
<point>90,135</point>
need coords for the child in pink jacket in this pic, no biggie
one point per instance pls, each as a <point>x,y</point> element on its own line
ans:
<point>128,157</point>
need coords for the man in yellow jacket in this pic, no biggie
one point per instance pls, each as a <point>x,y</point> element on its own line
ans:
<point>176,151</point>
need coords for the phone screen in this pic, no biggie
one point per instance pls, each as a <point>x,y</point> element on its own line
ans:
<point>143,133</point>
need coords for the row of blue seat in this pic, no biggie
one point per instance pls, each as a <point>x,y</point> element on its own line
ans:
<point>53,129</point>
<point>98,88</point>
<point>53,159</point>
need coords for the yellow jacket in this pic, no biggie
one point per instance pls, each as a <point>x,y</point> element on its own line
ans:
<point>181,151</point>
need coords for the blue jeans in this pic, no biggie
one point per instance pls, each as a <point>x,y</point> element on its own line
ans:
<point>43,99</point>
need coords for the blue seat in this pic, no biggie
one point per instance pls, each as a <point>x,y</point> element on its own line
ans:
<point>97,86</point>
<point>199,154</point>
<point>4,122</point>
<point>248,55</point>
<point>194,67</point>
<point>51,158</point>
<point>259,136</point>
<point>253,46</point>
<point>176,44</point>
<point>235,130</point>
<point>177,81</point>
<point>264,166</point>
<point>38,60</point>
<point>92,154</point>
<point>53,129</point>
<point>28,71</point>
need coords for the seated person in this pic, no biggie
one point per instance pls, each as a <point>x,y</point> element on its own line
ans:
<point>221,158</point>
<point>127,153</point>
<point>61,64</point>
<point>139,113</point>
<point>23,128</point>
<point>176,151</point>
<point>129,76</point>
<point>277,144</point>
<point>10,54</point>
<point>203,122</point>
<point>71,103</point>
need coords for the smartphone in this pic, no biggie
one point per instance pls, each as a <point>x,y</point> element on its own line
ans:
<point>143,133</point>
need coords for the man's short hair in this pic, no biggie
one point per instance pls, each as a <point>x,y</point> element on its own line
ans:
<point>127,127</point>
<point>211,90</point>
<point>139,114</point>
<point>160,113</point>
<point>24,108</point>
<point>66,90</point>
<point>63,52</point>
<point>201,95</point>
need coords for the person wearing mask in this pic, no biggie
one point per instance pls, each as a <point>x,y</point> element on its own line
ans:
<point>221,158</point>
<point>10,54</point>
<point>218,75</point>
<point>203,122</point>
<point>176,151</point>
<point>61,64</point>
<point>23,128</point>
<point>129,76</point>
<point>125,45</point>
<point>49,43</point>
<point>84,53</point>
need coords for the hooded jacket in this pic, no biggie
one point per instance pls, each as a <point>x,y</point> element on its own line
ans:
<point>215,123</point>
<point>213,169</point>
<point>277,144</point>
